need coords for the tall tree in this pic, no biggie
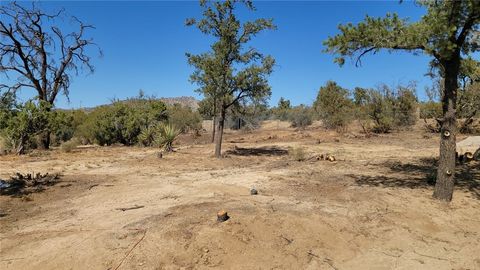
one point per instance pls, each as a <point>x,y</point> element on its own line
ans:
<point>230,74</point>
<point>448,32</point>
<point>35,53</point>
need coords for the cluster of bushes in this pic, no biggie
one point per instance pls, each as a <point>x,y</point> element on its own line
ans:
<point>141,121</point>
<point>383,109</point>
<point>377,110</point>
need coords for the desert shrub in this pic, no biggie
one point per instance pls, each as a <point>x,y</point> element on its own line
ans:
<point>333,106</point>
<point>282,111</point>
<point>301,116</point>
<point>184,118</point>
<point>430,109</point>
<point>381,110</point>
<point>70,145</point>
<point>20,123</point>
<point>121,122</point>
<point>405,106</point>
<point>166,135</point>
<point>297,153</point>
<point>62,126</point>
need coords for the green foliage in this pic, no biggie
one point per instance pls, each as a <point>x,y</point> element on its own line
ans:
<point>147,136</point>
<point>334,106</point>
<point>21,122</point>
<point>430,110</point>
<point>167,134</point>
<point>121,122</point>
<point>184,118</point>
<point>445,26</point>
<point>384,109</point>
<point>70,145</point>
<point>282,111</point>
<point>301,116</point>
<point>206,108</point>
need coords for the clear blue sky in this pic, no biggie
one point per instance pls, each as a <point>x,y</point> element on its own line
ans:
<point>144,46</point>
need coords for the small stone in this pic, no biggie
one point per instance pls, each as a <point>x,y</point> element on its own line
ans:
<point>253,191</point>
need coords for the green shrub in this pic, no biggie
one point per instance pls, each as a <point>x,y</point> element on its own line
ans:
<point>70,145</point>
<point>21,123</point>
<point>333,106</point>
<point>301,116</point>
<point>184,118</point>
<point>384,108</point>
<point>282,111</point>
<point>430,110</point>
<point>121,122</point>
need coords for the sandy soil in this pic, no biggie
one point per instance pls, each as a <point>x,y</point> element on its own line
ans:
<point>370,209</point>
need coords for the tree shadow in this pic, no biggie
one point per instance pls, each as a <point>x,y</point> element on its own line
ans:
<point>21,185</point>
<point>260,151</point>
<point>422,174</point>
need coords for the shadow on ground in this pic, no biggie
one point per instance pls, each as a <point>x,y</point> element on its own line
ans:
<point>260,151</point>
<point>422,174</point>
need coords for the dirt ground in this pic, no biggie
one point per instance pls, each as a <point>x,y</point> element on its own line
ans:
<point>370,209</point>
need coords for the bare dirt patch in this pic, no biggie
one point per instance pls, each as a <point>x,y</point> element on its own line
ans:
<point>370,209</point>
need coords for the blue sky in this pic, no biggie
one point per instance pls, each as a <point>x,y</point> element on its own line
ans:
<point>144,46</point>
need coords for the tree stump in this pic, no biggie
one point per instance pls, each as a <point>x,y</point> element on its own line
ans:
<point>222,216</point>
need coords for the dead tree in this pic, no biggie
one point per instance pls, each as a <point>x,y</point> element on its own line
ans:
<point>36,54</point>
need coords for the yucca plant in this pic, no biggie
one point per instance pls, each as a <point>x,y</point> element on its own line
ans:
<point>147,136</point>
<point>167,133</point>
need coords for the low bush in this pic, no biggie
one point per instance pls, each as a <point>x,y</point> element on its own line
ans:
<point>184,118</point>
<point>297,153</point>
<point>301,116</point>
<point>333,106</point>
<point>70,145</point>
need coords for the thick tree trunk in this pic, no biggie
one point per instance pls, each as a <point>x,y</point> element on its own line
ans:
<point>44,140</point>
<point>446,165</point>
<point>214,125</point>
<point>219,134</point>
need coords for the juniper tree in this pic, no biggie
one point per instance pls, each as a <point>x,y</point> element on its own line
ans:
<point>230,74</point>
<point>35,53</point>
<point>448,32</point>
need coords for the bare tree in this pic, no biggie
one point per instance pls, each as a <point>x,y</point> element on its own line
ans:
<point>35,53</point>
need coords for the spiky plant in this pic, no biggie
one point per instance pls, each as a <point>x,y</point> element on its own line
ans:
<point>147,136</point>
<point>167,133</point>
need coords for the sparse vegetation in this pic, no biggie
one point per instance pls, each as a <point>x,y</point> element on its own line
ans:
<point>300,116</point>
<point>297,153</point>
<point>70,145</point>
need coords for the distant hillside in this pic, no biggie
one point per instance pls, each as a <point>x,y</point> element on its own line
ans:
<point>184,101</point>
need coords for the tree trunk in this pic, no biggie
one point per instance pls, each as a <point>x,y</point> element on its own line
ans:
<point>219,133</point>
<point>44,136</point>
<point>446,165</point>
<point>44,140</point>
<point>214,120</point>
